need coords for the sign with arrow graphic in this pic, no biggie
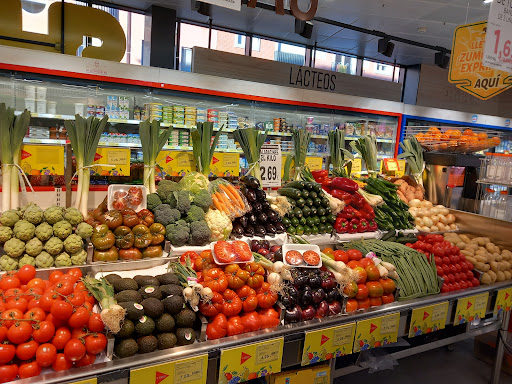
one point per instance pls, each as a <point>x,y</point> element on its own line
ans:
<point>375,332</point>
<point>428,319</point>
<point>503,301</point>
<point>189,371</point>
<point>328,343</point>
<point>467,70</point>
<point>250,361</point>
<point>42,160</point>
<point>118,158</point>
<point>470,308</point>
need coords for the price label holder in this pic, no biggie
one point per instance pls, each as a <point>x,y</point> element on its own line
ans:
<point>428,319</point>
<point>328,343</point>
<point>190,371</point>
<point>470,308</point>
<point>42,159</point>
<point>315,163</point>
<point>250,361</point>
<point>270,165</point>
<point>88,381</point>
<point>357,166</point>
<point>503,301</point>
<point>377,331</point>
<point>498,46</point>
<point>118,158</point>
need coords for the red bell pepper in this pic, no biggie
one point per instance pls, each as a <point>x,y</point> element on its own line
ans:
<point>363,226</point>
<point>350,212</point>
<point>344,184</point>
<point>342,195</point>
<point>358,201</point>
<point>372,225</point>
<point>320,174</point>
<point>327,182</point>
<point>367,211</point>
<point>353,226</point>
<point>328,190</point>
<point>341,225</point>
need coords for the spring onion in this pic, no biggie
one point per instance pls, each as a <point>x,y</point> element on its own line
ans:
<point>203,147</point>
<point>12,131</point>
<point>366,146</point>
<point>340,157</point>
<point>301,139</point>
<point>84,135</point>
<point>152,141</point>
<point>251,140</point>
<point>413,153</point>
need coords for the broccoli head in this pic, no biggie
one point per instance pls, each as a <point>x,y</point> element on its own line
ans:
<point>166,187</point>
<point>166,215</point>
<point>178,233</point>
<point>195,213</point>
<point>183,199</point>
<point>153,201</point>
<point>203,199</point>
<point>199,233</point>
<point>171,200</point>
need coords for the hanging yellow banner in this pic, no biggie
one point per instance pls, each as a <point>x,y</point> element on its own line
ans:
<point>42,160</point>
<point>111,162</point>
<point>466,68</point>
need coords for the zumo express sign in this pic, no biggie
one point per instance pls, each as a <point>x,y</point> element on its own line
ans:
<point>498,45</point>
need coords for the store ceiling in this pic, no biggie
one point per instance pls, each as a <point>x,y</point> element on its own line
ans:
<point>400,18</point>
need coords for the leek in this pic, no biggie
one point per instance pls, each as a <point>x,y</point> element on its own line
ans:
<point>251,140</point>
<point>301,139</point>
<point>203,147</point>
<point>84,135</point>
<point>152,141</point>
<point>340,157</point>
<point>12,131</point>
<point>366,146</point>
<point>287,167</point>
<point>413,153</point>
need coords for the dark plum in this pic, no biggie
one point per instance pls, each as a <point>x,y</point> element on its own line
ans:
<point>322,309</point>
<point>265,244</point>
<point>318,295</point>
<point>334,308</point>
<point>306,298</point>
<point>255,245</point>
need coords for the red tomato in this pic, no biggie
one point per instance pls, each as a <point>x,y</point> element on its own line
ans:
<point>217,328</point>
<point>55,277</point>
<point>375,301</point>
<point>475,282</point>
<point>232,303</point>
<point>352,305</point>
<point>45,332</point>
<point>340,255</point>
<point>268,321</point>
<point>372,273</point>
<point>95,344</point>
<point>456,275</point>
<point>363,303</point>
<point>251,322</point>
<point>235,326</point>
<point>365,262</point>
<point>388,285</point>
<point>463,285</point>
<point>362,292</point>
<point>453,269</point>
<point>463,276</point>
<point>8,315</point>
<point>37,283</point>
<point>438,250</point>
<point>354,254</point>
<point>243,250</point>
<point>27,351</point>
<point>438,260</point>
<point>446,260</point>
<point>463,267</point>
<point>7,352</point>
<point>469,275</point>
<point>446,269</point>
<point>451,287</point>
<point>8,373</point>
<point>26,273</point>
<point>361,275</point>
<point>88,359</point>
<point>36,314</point>
<point>75,272</point>
<point>266,297</point>
<point>350,289</point>
<point>80,318</point>
<point>19,332</point>
<point>461,257</point>
<point>61,310</point>
<point>61,363</point>
<point>374,289</point>
<point>46,355</point>
<point>445,288</point>
<point>74,350</point>
<point>388,298</point>
<point>95,323</point>
<point>214,306</point>
<point>76,299</point>
<point>61,338</point>
<point>64,287</point>
<point>353,264</point>
<point>456,286</point>
<point>439,270</point>
<point>18,303</point>
<point>451,278</point>
<point>29,370</point>
<point>216,280</point>
<point>224,252</point>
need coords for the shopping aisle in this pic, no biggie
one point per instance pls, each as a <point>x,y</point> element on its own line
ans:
<point>436,366</point>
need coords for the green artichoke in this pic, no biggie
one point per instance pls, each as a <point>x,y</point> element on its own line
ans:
<point>63,260</point>
<point>14,247</point>
<point>5,233</point>
<point>54,246</point>
<point>44,231</point>
<point>9,218</point>
<point>26,260</point>
<point>44,260</point>
<point>53,214</point>
<point>79,258</point>
<point>62,229</point>
<point>84,230</point>
<point>8,263</point>
<point>24,230</point>
<point>33,247</point>
<point>33,214</point>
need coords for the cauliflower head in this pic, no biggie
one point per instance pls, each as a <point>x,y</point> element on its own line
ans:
<point>33,214</point>
<point>8,263</point>
<point>9,218</point>
<point>14,247</point>
<point>84,230</point>
<point>26,260</point>
<point>24,230</point>
<point>44,231</point>
<point>79,258</point>
<point>53,214</point>
<point>219,223</point>
<point>73,244</point>
<point>33,247</point>
<point>194,182</point>
<point>73,215</point>
<point>44,260</point>
<point>63,260</point>
<point>5,233</point>
<point>62,229</point>
<point>54,246</point>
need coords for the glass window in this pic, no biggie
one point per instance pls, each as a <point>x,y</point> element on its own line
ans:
<point>239,41</point>
<point>335,62</point>
<point>276,51</point>
<point>191,36</point>
<point>228,42</point>
<point>381,71</point>
<point>256,44</point>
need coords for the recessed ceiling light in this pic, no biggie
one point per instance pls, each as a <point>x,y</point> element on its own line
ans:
<point>487,1</point>
<point>422,29</point>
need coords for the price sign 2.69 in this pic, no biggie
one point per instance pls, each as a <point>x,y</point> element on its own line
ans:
<point>270,165</point>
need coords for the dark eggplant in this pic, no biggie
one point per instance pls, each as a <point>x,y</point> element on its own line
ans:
<point>249,231</point>
<point>259,230</point>
<point>244,221</point>
<point>265,204</point>
<point>300,281</point>
<point>279,254</point>
<point>256,206</point>
<point>272,215</point>
<point>306,298</point>
<point>271,229</point>
<point>318,295</point>
<point>293,315</point>
<point>261,195</point>
<point>249,194</point>
<point>332,295</point>
<point>238,230</point>
<point>292,291</point>
<point>251,181</point>
<point>251,217</point>
<point>288,301</point>
<point>262,218</point>
<point>280,228</point>
<point>315,281</point>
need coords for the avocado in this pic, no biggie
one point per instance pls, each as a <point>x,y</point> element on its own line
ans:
<point>153,307</point>
<point>126,348</point>
<point>125,284</point>
<point>147,344</point>
<point>165,323</point>
<point>166,340</point>
<point>185,318</point>
<point>146,280</point>
<point>168,278</point>
<point>127,329</point>
<point>134,311</point>
<point>151,291</point>
<point>145,326</point>
<point>185,336</point>
<point>129,295</point>
<point>171,289</point>
<point>112,277</point>
<point>173,304</point>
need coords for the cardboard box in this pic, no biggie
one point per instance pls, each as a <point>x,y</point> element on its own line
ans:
<point>316,375</point>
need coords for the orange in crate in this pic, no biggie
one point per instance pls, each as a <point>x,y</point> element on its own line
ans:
<point>496,141</point>
<point>468,132</point>
<point>482,136</point>
<point>434,130</point>
<point>455,134</point>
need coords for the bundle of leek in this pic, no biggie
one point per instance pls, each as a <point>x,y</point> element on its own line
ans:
<point>203,147</point>
<point>251,140</point>
<point>84,135</point>
<point>340,157</point>
<point>301,139</point>
<point>287,168</point>
<point>152,142</point>
<point>413,153</point>
<point>12,131</point>
<point>366,146</point>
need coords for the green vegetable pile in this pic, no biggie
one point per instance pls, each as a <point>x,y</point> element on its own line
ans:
<point>310,213</point>
<point>181,208</point>
<point>50,238</point>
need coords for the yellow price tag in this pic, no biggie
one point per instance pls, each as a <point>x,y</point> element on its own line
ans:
<point>357,166</point>
<point>428,319</point>
<point>375,332</point>
<point>390,165</point>
<point>314,163</point>
<point>471,308</point>
<point>401,168</point>
<point>251,361</point>
<point>225,164</point>
<point>328,343</point>
<point>192,371</point>
<point>119,158</point>
<point>42,160</point>
<point>503,301</point>
<point>88,381</point>
<point>175,163</point>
